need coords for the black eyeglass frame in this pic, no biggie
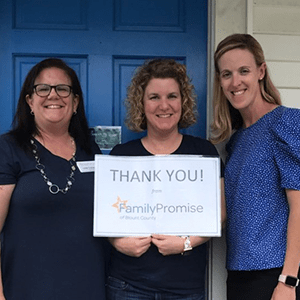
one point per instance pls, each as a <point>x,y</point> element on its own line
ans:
<point>53,87</point>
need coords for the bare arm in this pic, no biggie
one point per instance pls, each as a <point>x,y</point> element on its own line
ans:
<point>292,257</point>
<point>5,195</point>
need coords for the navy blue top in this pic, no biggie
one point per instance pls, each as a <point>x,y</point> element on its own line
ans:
<point>48,251</point>
<point>263,160</point>
<point>153,271</point>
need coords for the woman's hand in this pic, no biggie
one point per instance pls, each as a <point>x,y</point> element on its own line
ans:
<point>284,292</point>
<point>292,256</point>
<point>168,244</point>
<point>131,246</point>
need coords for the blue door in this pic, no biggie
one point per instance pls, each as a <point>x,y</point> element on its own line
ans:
<point>104,41</point>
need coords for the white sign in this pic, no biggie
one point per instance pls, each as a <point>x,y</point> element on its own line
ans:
<point>140,196</point>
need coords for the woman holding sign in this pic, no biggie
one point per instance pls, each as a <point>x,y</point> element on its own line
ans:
<point>160,100</point>
<point>262,174</point>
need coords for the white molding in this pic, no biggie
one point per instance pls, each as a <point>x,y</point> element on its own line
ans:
<point>249,16</point>
<point>209,113</point>
<point>210,62</point>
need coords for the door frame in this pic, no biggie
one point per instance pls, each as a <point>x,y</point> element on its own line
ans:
<point>216,280</point>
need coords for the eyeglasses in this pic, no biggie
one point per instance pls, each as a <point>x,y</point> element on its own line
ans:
<point>44,90</point>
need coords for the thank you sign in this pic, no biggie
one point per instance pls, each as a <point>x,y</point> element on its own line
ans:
<point>173,194</point>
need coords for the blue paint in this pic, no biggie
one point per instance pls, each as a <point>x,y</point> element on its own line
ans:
<point>104,41</point>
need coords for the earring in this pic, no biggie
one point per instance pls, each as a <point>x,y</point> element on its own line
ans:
<point>32,113</point>
<point>74,113</point>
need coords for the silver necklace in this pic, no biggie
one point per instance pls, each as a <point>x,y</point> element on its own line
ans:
<point>54,188</point>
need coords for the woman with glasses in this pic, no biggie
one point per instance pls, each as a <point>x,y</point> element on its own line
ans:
<point>46,203</point>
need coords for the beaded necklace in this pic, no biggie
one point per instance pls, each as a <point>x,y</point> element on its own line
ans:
<point>54,188</point>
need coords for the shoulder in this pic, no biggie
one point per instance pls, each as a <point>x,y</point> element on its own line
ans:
<point>12,157</point>
<point>8,141</point>
<point>280,124</point>
<point>6,137</point>
<point>128,149</point>
<point>286,127</point>
<point>232,141</point>
<point>286,145</point>
<point>288,117</point>
<point>197,145</point>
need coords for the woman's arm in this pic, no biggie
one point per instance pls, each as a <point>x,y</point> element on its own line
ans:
<point>292,257</point>
<point>170,244</point>
<point>131,246</point>
<point>5,195</point>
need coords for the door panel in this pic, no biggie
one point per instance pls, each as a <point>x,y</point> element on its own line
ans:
<point>54,14</point>
<point>104,41</point>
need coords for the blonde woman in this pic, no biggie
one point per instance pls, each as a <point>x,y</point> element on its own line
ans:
<point>262,174</point>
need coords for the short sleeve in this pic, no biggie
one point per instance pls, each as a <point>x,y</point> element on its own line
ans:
<point>8,172</point>
<point>287,148</point>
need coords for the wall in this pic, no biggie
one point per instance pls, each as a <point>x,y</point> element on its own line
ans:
<point>230,17</point>
<point>276,25</point>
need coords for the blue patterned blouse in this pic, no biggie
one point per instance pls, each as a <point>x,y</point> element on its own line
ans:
<point>263,160</point>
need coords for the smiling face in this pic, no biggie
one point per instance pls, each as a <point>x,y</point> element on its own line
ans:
<point>239,78</point>
<point>162,105</point>
<point>52,109</point>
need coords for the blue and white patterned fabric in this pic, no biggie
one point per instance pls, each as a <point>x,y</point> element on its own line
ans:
<point>263,160</point>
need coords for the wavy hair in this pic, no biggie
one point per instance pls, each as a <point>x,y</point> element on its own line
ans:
<point>159,68</point>
<point>24,125</point>
<point>226,117</point>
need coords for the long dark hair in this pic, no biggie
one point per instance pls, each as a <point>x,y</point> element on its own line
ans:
<point>24,126</point>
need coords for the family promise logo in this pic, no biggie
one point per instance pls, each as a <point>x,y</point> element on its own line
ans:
<point>123,207</point>
<point>120,204</point>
